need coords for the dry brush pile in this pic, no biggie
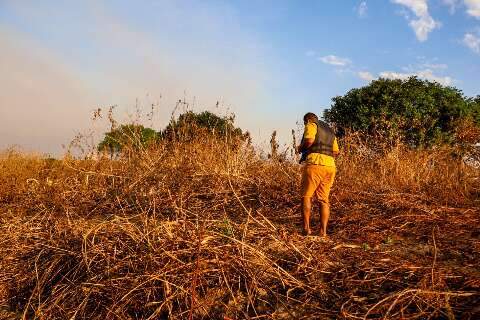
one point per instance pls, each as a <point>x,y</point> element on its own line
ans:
<point>204,230</point>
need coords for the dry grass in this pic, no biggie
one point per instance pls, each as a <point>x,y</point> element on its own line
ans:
<point>197,230</point>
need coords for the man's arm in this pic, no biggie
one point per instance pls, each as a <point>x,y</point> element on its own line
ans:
<point>306,143</point>
<point>308,137</point>
<point>336,150</point>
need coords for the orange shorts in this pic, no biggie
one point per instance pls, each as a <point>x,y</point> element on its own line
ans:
<point>317,180</point>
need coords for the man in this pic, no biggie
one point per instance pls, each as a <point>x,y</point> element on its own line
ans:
<point>320,147</point>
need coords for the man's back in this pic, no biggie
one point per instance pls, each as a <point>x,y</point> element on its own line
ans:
<point>322,132</point>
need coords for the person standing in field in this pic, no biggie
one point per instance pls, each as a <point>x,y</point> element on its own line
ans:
<point>319,148</point>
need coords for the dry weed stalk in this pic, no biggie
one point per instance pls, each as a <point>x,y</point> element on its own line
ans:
<point>205,229</point>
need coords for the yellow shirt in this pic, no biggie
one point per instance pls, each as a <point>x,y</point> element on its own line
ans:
<point>318,158</point>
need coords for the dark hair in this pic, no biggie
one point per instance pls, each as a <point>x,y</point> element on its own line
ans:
<point>310,116</point>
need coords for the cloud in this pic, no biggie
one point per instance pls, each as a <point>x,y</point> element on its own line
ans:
<point>419,7</point>
<point>424,68</point>
<point>120,60</point>
<point>362,9</point>
<point>473,8</point>
<point>365,75</point>
<point>424,63</point>
<point>435,66</point>
<point>472,41</point>
<point>425,23</point>
<point>452,5</point>
<point>334,60</point>
<point>424,74</point>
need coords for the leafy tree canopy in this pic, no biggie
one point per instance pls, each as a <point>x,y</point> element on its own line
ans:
<point>418,112</point>
<point>127,134</point>
<point>188,124</point>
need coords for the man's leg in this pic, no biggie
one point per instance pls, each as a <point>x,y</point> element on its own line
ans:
<point>306,212</point>
<point>309,185</point>
<point>323,194</point>
<point>324,216</point>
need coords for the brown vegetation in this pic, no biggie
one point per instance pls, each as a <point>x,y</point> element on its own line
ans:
<point>199,230</point>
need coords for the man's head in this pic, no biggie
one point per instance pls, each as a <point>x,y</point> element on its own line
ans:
<point>310,117</point>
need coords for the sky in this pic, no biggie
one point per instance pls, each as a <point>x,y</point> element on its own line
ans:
<point>267,61</point>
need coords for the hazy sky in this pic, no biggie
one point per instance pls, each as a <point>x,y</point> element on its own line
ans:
<point>268,61</point>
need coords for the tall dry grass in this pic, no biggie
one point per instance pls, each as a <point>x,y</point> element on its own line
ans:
<point>207,229</point>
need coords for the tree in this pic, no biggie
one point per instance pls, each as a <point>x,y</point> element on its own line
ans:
<point>189,124</point>
<point>131,135</point>
<point>475,108</point>
<point>418,112</point>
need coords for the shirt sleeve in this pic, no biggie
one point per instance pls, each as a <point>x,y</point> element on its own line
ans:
<point>310,131</point>
<point>335,146</point>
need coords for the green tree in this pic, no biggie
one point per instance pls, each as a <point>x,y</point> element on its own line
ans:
<point>475,108</point>
<point>418,112</point>
<point>188,125</point>
<point>131,135</point>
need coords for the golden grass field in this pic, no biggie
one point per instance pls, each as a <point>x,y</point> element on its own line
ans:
<point>203,230</point>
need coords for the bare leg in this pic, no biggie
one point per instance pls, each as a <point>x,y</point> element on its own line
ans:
<point>306,210</point>
<point>324,216</point>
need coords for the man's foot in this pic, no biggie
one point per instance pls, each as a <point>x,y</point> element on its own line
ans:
<point>307,232</point>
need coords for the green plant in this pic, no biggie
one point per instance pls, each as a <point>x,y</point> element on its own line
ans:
<point>417,112</point>
<point>226,228</point>
<point>133,135</point>
<point>190,123</point>
<point>388,240</point>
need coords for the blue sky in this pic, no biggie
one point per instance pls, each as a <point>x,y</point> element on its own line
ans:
<point>267,61</point>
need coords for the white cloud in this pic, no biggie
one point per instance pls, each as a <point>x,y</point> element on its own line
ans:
<point>472,41</point>
<point>452,5</point>
<point>47,92</point>
<point>425,23</point>
<point>423,27</point>
<point>429,69</point>
<point>365,75</point>
<point>429,75</point>
<point>435,66</point>
<point>362,9</point>
<point>419,7</point>
<point>424,74</point>
<point>394,75</point>
<point>334,60</point>
<point>473,8</point>
<point>426,63</point>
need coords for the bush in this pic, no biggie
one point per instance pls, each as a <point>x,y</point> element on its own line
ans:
<point>189,124</point>
<point>186,230</point>
<point>133,135</point>
<point>417,112</point>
